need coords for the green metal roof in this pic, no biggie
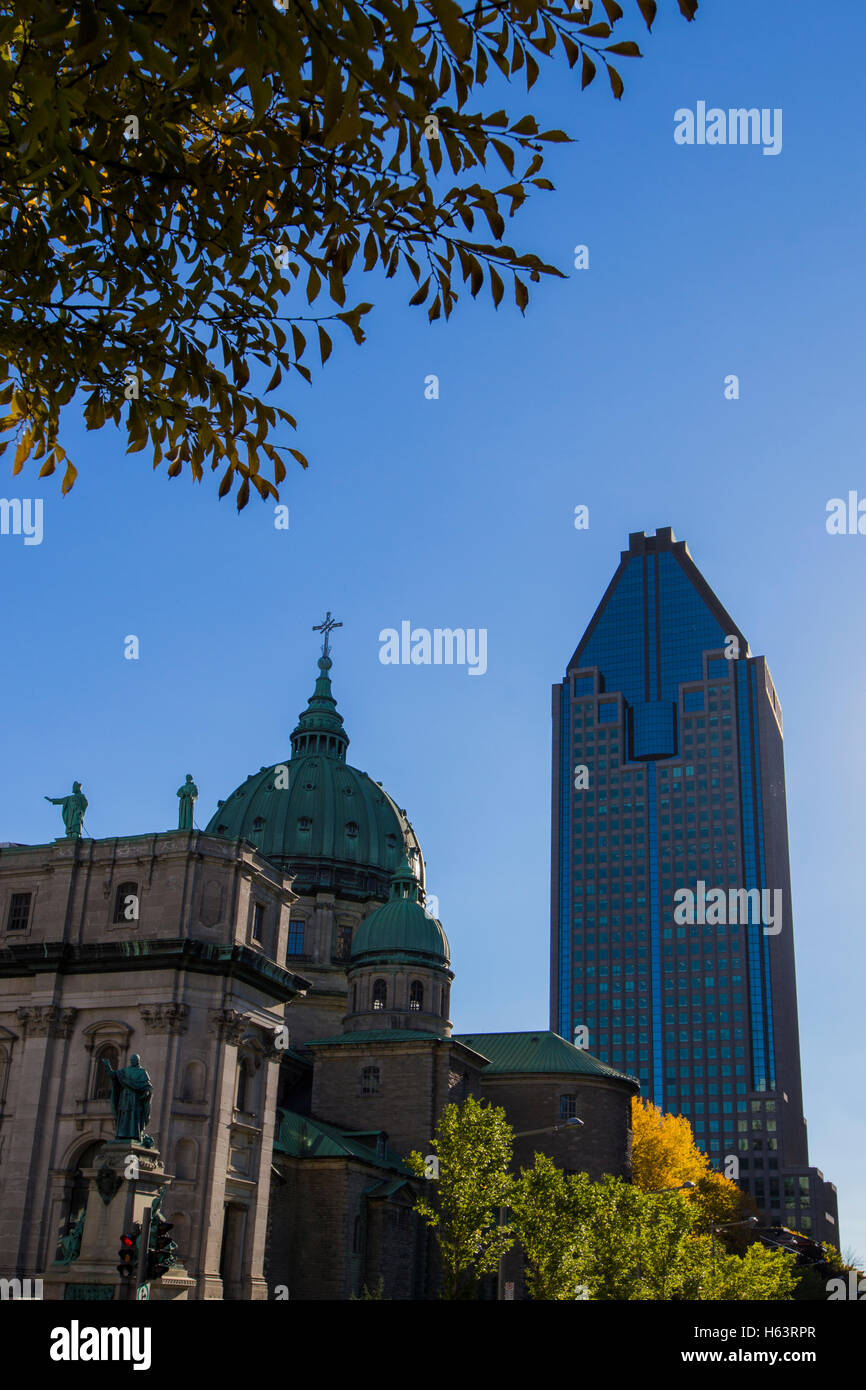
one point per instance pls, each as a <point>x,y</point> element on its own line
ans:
<point>541,1051</point>
<point>299,1136</point>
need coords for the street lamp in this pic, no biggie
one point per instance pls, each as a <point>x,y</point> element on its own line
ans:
<point>570,1123</point>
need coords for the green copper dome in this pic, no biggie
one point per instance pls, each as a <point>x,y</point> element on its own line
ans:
<point>315,816</point>
<point>400,927</point>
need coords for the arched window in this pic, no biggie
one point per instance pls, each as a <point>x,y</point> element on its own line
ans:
<point>371,1078</point>
<point>416,996</point>
<point>126,903</point>
<point>101,1080</point>
<point>567,1107</point>
<point>380,994</point>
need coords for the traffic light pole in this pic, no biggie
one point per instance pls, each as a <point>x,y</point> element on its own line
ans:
<point>143,1248</point>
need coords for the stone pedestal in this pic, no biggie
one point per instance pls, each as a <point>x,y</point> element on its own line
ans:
<point>124,1180</point>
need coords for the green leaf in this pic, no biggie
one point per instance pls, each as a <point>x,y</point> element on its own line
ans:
<point>325,345</point>
<point>496,285</point>
<point>626,49</point>
<point>617,85</point>
<point>421,293</point>
<point>587,71</point>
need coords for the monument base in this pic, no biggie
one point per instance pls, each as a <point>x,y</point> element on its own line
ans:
<point>125,1179</point>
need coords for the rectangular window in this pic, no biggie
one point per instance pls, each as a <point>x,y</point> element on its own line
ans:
<point>19,911</point>
<point>608,713</point>
<point>296,938</point>
<point>584,685</point>
<point>258,921</point>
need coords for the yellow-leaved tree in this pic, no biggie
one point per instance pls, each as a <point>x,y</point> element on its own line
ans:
<point>665,1155</point>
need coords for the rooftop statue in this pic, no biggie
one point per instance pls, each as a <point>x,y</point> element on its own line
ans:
<point>73,807</point>
<point>187,793</point>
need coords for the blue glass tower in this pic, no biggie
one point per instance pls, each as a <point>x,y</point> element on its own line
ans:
<point>671,941</point>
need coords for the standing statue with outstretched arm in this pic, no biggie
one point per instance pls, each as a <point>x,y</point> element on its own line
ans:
<point>131,1094</point>
<point>73,807</point>
<point>187,793</point>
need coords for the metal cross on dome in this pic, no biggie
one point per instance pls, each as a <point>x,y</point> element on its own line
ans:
<point>327,627</point>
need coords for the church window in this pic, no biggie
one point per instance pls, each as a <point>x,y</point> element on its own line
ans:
<point>19,911</point>
<point>258,823</point>
<point>124,909</point>
<point>352,830</point>
<point>344,943</point>
<point>370,1081</point>
<point>416,996</point>
<point>258,921</point>
<point>296,938</point>
<point>101,1079</point>
<point>568,1107</point>
<point>380,994</point>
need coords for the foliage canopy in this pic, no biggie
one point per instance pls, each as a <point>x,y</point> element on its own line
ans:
<point>187,185</point>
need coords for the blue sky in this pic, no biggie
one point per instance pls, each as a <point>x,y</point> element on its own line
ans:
<point>458,512</point>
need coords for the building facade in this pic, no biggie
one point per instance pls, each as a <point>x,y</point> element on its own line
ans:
<point>290,997</point>
<point>672,949</point>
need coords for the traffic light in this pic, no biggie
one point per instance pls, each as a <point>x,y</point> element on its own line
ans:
<point>128,1252</point>
<point>162,1252</point>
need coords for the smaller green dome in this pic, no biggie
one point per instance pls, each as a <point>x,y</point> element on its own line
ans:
<point>401,927</point>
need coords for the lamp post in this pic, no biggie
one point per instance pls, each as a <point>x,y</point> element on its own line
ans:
<point>656,1192</point>
<point>526,1134</point>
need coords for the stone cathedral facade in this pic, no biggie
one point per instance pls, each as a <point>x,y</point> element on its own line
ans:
<point>289,996</point>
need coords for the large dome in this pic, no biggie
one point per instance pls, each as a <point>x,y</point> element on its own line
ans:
<point>318,818</point>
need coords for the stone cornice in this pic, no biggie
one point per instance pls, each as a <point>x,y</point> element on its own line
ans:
<point>201,957</point>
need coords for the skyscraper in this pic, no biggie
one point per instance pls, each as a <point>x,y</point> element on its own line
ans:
<point>672,951</point>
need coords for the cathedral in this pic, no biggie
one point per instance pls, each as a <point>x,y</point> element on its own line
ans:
<point>289,995</point>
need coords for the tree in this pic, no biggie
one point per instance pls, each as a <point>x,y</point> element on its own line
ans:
<point>473,1145</point>
<point>181,182</point>
<point>664,1152</point>
<point>760,1274</point>
<point>543,1218</point>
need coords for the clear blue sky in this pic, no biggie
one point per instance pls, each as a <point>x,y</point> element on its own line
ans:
<point>458,512</point>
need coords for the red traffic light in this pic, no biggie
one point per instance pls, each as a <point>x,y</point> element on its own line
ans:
<point>127,1242</point>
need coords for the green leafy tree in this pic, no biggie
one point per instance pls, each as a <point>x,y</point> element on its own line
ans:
<point>187,188</point>
<point>543,1211</point>
<point>473,1144</point>
<point>608,1231</point>
<point>760,1274</point>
